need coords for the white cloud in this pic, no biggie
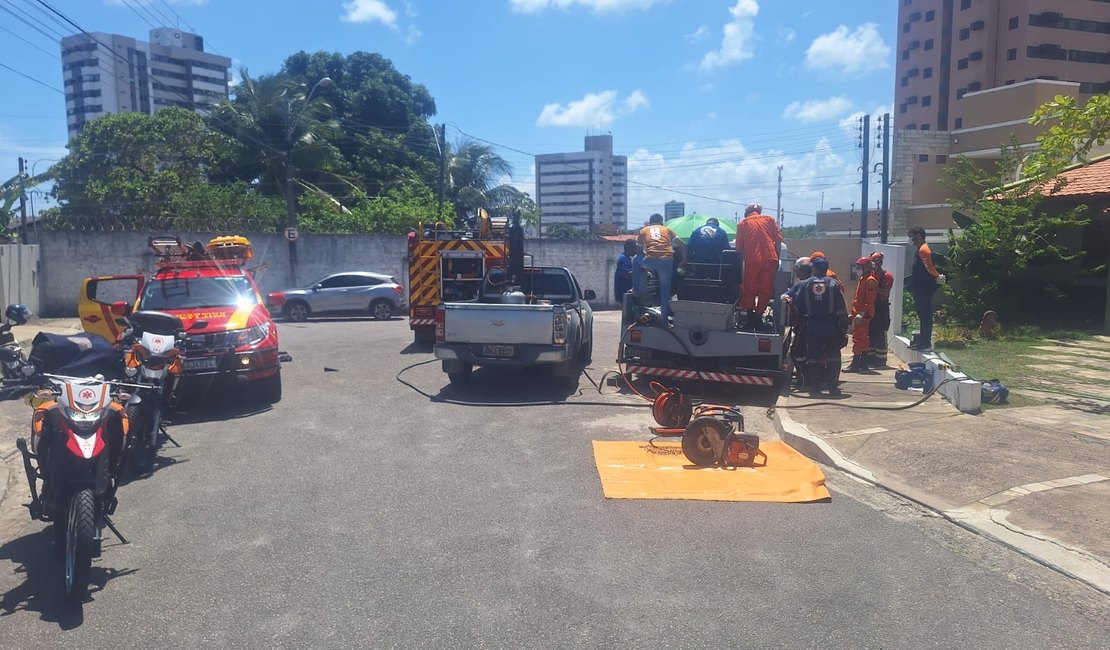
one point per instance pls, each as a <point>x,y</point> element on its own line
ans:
<point>367,11</point>
<point>737,44</point>
<point>599,6</point>
<point>732,174</point>
<point>699,34</point>
<point>593,110</point>
<point>850,52</point>
<point>817,110</point>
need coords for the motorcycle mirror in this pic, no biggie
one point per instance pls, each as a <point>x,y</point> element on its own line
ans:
<point>198,325</point>
<point>120,308</point>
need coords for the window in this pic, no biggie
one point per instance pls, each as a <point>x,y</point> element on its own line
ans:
<point>905,28</point>
<point>1014,22</point>
<point>924,127</point>
<point>975,56</point>
<point>929,44</point>
<point>960,92</point>
<point>965,4</point>
<point>961,64</point>
<point>905,55</point>
<point>915,16</point>
<point>911,126</point>
<point>1011,54</point>
<point>977,25</point>
<point>905,81</point>
<point>927,100</point>
<point>965,34</point>
<point>930,16</point>
<point>974,86</point>
<point>923,157</point>
<point>913,72</point>
<point>941,159</point>
<point>902,108</point>
<point>913,45</point>
<point>959,122</point>
<point>927,73</point>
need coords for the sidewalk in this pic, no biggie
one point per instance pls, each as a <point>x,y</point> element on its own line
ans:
<point>1036,478</point>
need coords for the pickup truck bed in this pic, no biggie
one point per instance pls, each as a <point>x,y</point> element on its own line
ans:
<point>553,327</point>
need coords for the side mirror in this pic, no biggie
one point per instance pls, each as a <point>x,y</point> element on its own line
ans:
<point>198,325</point>
<point>590,294</point>
<point>316,287</point>
<point>120,308</point>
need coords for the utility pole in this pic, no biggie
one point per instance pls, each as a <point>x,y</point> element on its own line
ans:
<point>442,165</point>
<point>290,196</point>
<point>884,223</point>
<point>780,197</point>
<point>866,173</point>
<point>22,228</point>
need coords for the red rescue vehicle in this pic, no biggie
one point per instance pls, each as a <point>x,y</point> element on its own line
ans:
<point>231,337</point>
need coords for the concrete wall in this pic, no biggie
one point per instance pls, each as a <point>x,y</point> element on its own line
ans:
<point>19,278</point>
<point>69,257</point>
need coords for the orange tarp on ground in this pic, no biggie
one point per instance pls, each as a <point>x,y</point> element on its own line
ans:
<point>638,470</point>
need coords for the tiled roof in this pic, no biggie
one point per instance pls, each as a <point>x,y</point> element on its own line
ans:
<point>1091,180</point>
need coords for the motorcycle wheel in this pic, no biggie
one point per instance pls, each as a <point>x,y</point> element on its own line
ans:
<point>80,543</point>
<point>140,454</point>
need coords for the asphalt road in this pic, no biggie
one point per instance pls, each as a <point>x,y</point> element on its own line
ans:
<point>357,512</point>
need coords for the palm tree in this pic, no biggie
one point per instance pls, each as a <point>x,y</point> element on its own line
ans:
<point>473,170</point>
<point>276,122</point>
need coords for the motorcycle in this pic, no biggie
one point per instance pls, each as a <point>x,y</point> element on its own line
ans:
<point>78,432</point>
<point>153,355</point>
<point>11,354</point>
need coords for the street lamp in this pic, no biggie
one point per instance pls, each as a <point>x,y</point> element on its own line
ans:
<point>290,196</point>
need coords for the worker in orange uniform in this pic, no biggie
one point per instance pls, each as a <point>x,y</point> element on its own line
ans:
<point>881,322</point>
<point>758,238</point>
<point>863,310</point>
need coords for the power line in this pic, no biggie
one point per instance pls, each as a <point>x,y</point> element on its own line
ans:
<point>135,11</point>
<point>33,26</point>
<point>55,21</point>
<point>29,77</point>
<point>45,51</point>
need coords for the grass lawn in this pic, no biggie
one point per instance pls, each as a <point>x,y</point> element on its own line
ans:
<point>1009,358</point>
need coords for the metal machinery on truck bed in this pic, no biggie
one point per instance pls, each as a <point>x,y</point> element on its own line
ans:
<point>448,266</point>
<point>709,340</point>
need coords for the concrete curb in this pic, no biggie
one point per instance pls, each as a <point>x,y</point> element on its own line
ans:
<point>977,518</point>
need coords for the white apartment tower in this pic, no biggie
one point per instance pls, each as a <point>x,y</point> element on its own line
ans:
<point>585,189</point>
<point>134,76</point>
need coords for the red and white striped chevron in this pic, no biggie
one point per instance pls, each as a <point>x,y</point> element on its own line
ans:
<point>422,321</point>
<point>726,377</point>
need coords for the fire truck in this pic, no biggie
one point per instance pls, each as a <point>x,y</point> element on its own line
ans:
<point>448,265</point>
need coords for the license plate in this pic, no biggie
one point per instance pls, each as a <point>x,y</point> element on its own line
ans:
<point>497,350</point>
<point>204,363</point>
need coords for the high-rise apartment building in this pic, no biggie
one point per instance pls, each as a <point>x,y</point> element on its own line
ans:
<point>969,75</point>
<point>949,48</point>
<point>109,73</point>
<point>587,189</point>
<point>674,210</point>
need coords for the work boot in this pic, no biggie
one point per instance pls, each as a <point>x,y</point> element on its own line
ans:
<point>832,375</point>
<point>856,364</point>
<point>864,363</point>
<point>811,379</point>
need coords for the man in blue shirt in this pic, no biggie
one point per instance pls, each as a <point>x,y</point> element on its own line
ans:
<point>707,242</point>
<point>622,278</point>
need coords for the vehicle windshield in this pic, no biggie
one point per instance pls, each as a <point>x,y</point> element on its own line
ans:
<point>190,293</point>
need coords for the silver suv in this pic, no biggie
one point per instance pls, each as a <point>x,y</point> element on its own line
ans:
<point>351,292</point>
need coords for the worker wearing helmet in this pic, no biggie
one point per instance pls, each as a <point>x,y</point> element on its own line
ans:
<point>881,322</point>
<point>803,270</point>
<point>831,273</point>
<point>758,238</point>
<point>863,310</point>
<point>820,302</point>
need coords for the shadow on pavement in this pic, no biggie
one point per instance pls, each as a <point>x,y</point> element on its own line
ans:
<point>214,405</point>
<point>41,590</point>
<point>509,386</point>
<point>418,348</point>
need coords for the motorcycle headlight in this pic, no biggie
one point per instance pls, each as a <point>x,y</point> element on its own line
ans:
<point>83,421</point>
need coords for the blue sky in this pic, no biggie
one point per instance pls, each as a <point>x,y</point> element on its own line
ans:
<point>705,97</point>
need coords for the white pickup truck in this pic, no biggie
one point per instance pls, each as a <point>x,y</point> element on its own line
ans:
<point>544,319</point>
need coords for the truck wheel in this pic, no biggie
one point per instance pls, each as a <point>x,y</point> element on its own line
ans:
<point>586,354</point>
<point>462,376</point>
<point>271,388</point>
<point>296,311</point>
<point>380,309</point>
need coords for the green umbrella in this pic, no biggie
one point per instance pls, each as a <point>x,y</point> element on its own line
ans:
<point>684,226</point>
